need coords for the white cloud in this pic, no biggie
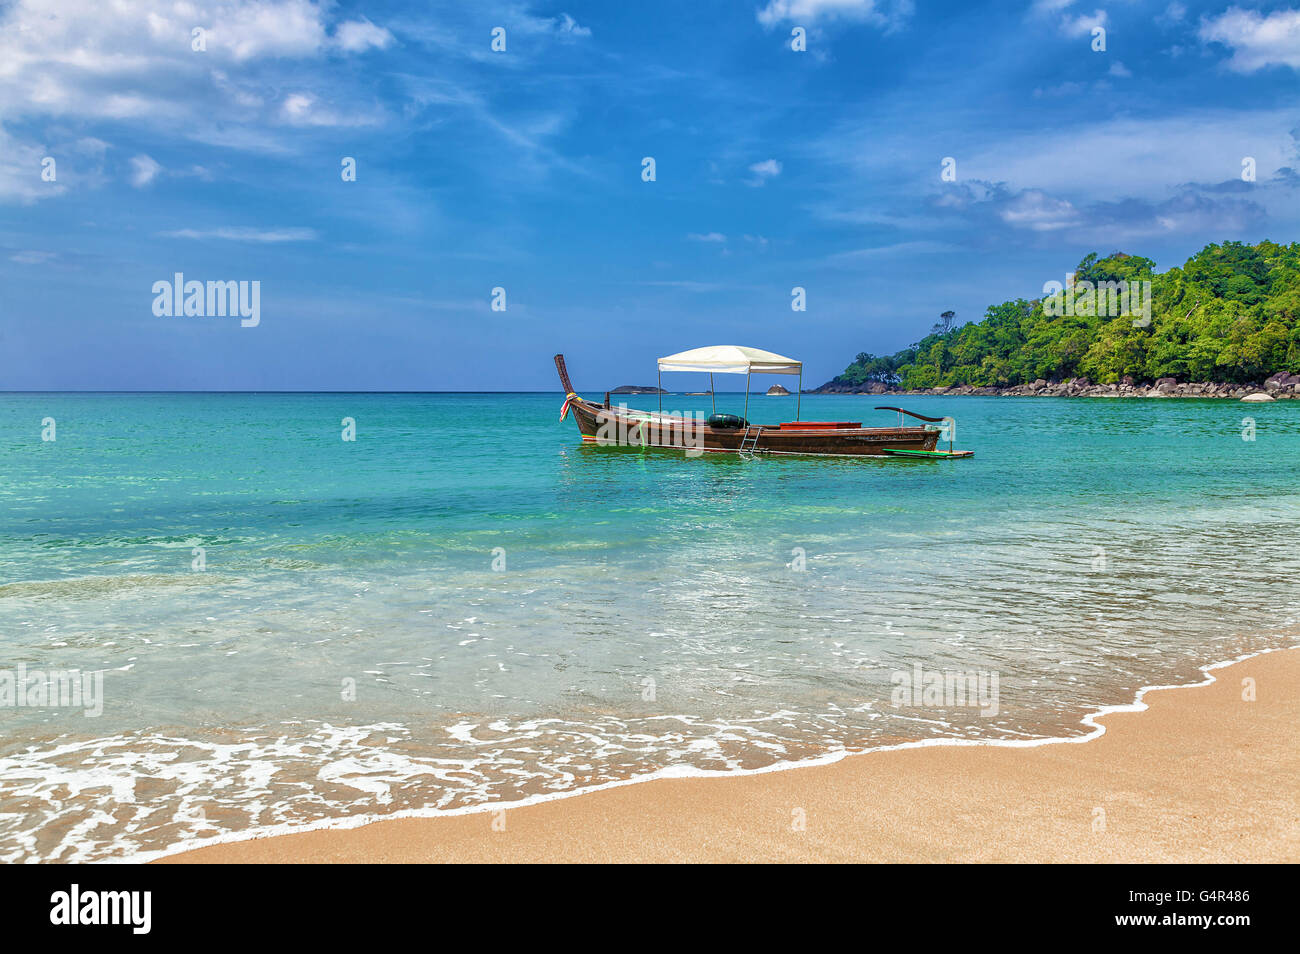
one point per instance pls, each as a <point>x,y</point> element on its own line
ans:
<point>1073,26</point>
<point>763,171</point>
<point>1119,70</point>
<point>244,30</point>
<point>356,36</point>
<point>1036,210</point>
<point>143,170</point>
<point>20,171</point>
<point>75,164</point>
<point>1122,167</point>
<point>1128,156</point>
<point>1084,24</point>
<point>297,107</point>
<point>1256,41</point>
<point>569,25</point>
<point>303,109</point>
<point>243,234</point>
<point>90,146</point>
<point>73,58</point>
<point>1047,7</point>
<point>918,247</point>
<point>563,26</point>
<point>1068,88</point>
<point>33,257</point>
<point>876,12</point>
<point>267,71</point>
<point>1174,13</point>
<point>706,237</point>
<point>1190,213</point>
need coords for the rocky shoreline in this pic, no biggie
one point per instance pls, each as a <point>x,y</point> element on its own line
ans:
<point>1280,386</point>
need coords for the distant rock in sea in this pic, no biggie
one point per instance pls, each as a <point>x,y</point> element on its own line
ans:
<point>1258,397</point>
<point>637,389</point>
<point>777,391</point>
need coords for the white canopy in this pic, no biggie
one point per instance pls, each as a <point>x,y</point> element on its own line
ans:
<point>730,359</point>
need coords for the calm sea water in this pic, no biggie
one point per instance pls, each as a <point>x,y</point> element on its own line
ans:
<point>349,648</point>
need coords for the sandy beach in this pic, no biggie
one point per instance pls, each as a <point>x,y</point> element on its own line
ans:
<point>1202,774</point>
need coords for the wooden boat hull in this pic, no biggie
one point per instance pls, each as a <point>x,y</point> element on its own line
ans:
<point>625,427</point>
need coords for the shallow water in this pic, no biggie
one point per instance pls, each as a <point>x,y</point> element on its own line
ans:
<point>348,648</point>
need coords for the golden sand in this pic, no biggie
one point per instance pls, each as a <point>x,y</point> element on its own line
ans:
<point>1203,775</point>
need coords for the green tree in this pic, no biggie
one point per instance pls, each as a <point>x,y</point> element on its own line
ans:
<point>1231,312</point>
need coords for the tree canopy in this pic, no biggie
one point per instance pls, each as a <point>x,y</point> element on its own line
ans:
<point>1231,313</point>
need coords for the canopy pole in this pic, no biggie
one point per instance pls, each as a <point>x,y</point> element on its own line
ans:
<point>713,395</point>
<point>798,394</point>
<point>746,396</point>
<point>661,392</point>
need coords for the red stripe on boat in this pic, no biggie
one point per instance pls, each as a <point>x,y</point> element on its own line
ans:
<point>818,425</point>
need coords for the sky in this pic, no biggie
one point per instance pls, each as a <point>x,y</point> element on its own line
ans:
<point>142,138</point>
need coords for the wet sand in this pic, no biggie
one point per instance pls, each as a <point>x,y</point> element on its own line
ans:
<point>1202,775</point>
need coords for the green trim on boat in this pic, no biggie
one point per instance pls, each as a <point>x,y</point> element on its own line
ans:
<point>921,453</point>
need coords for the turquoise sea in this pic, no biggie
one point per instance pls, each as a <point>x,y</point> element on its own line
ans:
<point>465,605</point>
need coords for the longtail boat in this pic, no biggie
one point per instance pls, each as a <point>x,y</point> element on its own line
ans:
<point>620,426</point>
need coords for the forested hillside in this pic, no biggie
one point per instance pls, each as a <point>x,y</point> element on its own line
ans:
<point>1231,313</point>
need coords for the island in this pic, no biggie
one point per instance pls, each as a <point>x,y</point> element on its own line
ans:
<point>1226,324</point>
<point>637,389</point>
<point>777,391</point>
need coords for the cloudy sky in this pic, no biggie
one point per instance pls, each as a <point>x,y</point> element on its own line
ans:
<point>128,155</point>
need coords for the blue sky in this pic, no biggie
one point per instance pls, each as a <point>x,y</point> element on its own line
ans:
<point>522,169</point>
